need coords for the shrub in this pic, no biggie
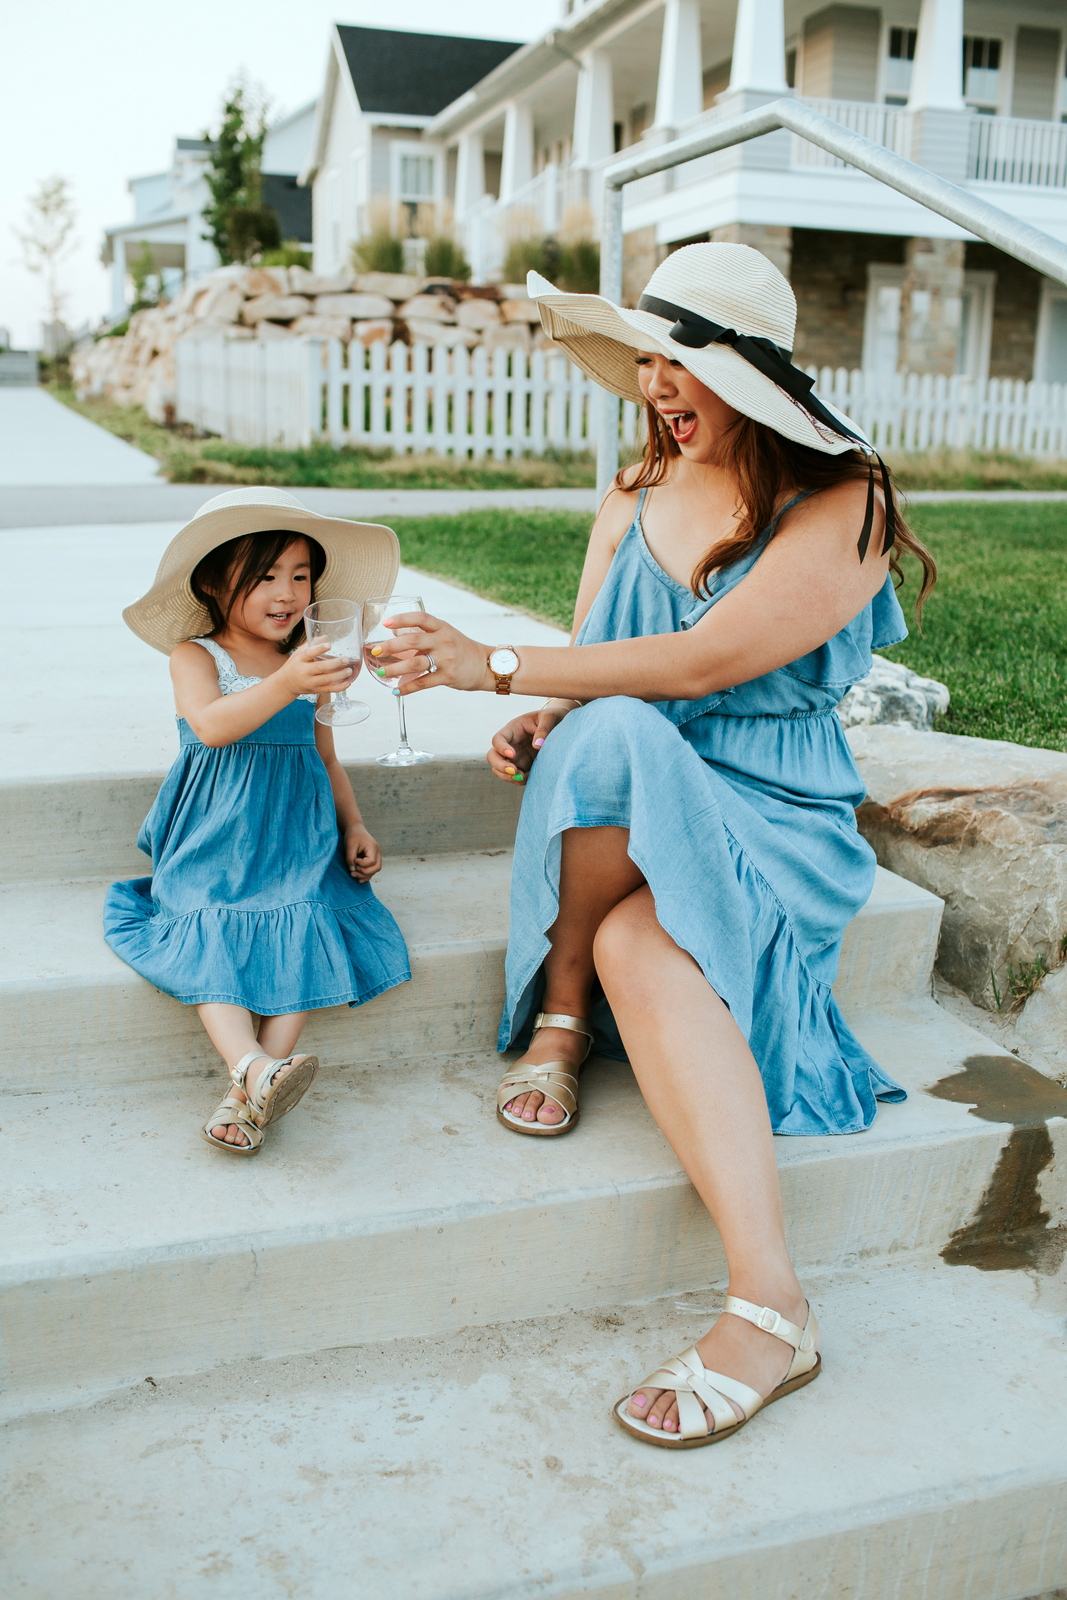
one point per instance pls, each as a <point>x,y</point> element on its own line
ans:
<point>574,265</point>
<point>288,254</point>
<point>445,259</point>
<point>579,267</point>
<point>380,251</point>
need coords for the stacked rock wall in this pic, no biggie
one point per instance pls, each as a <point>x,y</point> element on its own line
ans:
<point>282,302</point>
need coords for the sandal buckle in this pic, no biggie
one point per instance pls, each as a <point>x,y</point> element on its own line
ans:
<point>768,1320</point>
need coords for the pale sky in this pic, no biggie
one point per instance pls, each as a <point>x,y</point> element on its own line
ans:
<point>97,93</point>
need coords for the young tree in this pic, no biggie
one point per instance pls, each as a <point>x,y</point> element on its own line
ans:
<point>239,225</point>
<point>46,239</point>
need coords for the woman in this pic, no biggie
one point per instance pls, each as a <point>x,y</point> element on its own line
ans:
<point>689,836</point>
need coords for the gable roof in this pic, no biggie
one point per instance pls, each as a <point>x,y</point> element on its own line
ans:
<point>416,74</point>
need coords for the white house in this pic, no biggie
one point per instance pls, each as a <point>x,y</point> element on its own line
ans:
<point>370,152</point>
<point>168,208</point>
<point>973,89</point>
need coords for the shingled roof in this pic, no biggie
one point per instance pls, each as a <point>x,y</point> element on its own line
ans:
<point>416,74</point>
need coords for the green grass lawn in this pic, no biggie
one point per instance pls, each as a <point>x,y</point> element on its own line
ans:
<point>995,629</point>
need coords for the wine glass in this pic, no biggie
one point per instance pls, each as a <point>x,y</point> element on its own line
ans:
<point>341,623</point>
<point>391,605</point>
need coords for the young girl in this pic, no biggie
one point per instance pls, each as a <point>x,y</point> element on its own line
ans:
<point>259,908</point>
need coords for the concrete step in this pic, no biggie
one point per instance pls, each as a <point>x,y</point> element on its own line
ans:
<point>393,1204</point>
<point>87,827</point>
<point>926,1463</point>
<point>73,1006</point>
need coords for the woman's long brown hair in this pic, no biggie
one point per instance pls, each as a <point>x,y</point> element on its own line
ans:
<point>767,467</point>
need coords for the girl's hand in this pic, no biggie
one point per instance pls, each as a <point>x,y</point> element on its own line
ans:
<point>308,672</point>
<point>363,855</point>
<point>515,747</point>
<point>459,662</point>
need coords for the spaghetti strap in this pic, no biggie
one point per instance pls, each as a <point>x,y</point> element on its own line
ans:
<point>778,515</point>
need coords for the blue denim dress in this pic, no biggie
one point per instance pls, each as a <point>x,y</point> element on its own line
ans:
<point>250,901</point>
<point>741,814</point>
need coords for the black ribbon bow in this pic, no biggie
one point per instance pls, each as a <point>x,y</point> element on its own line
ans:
<point>696,333</point>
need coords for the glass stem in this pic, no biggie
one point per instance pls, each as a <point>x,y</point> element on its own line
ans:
<point>403,722</point>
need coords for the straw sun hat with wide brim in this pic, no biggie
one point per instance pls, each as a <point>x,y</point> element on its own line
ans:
<point>362,558</point>
<point>727,314</point>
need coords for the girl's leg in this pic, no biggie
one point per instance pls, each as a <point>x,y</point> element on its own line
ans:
<point>595,874</point>
<point>701,1083</point>
<point>234,1032</point>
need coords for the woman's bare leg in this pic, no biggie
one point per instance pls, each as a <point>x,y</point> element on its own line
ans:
<point>234,1032</point>
<point>595,873</point>
<point>701,1083</point>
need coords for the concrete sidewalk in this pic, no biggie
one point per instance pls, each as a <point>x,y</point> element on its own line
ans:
<point>84,695</point>
<point>177,502</point>
<point>43,443</point>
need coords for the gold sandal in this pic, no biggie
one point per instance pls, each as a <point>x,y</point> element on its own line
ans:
<point>557,1080</point>
<point>269,1100</point>
<point>696,1387</point>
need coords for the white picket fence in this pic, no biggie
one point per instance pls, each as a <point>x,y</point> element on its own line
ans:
<point>455,402</point>
<point>287,392</point>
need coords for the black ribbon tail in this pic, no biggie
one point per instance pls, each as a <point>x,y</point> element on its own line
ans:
<point>889,538</point>
<point>868,515</point>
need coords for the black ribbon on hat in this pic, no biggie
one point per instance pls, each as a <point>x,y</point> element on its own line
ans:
<point>696,333</point>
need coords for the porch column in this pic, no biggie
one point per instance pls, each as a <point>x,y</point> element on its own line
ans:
<point>470,173</point>
<point>940,121</point>
<point>937,75</point>
<point>594,110</point>
<point>758,64</point>
<point>680,91</point>
<point>517,161</point>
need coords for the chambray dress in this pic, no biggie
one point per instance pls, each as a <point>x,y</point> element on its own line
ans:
<point>250,901</point>
<point>741,815</point>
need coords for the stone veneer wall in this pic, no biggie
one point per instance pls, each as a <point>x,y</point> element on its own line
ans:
<point>773,242</point>
<point>1016,298</point>
<point>930,305</point>
<point>829,278</point>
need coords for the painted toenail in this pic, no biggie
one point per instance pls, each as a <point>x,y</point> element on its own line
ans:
<point>639,1400</point>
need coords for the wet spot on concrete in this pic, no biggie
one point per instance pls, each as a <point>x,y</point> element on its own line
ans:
<point>1010,1229</point>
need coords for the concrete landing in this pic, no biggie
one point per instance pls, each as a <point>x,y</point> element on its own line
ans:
<point>926,1463</point>
<point>44,444</point>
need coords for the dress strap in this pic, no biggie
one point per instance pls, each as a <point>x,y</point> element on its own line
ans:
<point>778,515</point>
<point>230,680</point>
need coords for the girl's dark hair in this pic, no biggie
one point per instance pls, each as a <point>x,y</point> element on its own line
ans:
<point>767,466</point>
<point>244,562</point>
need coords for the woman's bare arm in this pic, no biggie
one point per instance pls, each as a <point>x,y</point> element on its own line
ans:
<point>808,584</point>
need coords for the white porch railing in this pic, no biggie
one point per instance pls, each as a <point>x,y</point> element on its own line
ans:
<point>906,411</point>
<point>886,125</point>
<point>419,398</point>
<point>1013,150</point>
<point>473,403</point>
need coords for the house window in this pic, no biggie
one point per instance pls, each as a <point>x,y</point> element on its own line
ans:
<point>416,178</point>
<point>899,60</point>
<point>981,73</point>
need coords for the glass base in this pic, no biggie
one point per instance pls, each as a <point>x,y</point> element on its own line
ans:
<point>342,716</point>
<point>405,757</point>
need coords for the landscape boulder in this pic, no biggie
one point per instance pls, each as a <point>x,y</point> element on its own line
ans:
<point>507,336</point>
<point>397,286</point>
<point>301,281</point>
<point>354,305</point>
<point>983,824</point>
<point>322,327</point>
<point>375,331</point>
<point>478,314</point>
<point>428,308</point>
<point>892,693</point>
<point>520,311</point>
<point>275,308</point>
<point>444,333</point>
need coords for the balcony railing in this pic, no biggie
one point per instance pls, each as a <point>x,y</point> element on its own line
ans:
<point>1012,150</point>
<point>885,125</point>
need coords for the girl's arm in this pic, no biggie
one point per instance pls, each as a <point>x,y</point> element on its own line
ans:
<point>807,585</point>
<point>219,719</point>
<point>363,855</point>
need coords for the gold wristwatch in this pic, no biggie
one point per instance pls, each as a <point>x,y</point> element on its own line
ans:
<point>503,662</point>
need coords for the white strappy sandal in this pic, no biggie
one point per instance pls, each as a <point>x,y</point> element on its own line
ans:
<point>556,1080</point>
<point>696,1387</point>
<point>271,1099</point>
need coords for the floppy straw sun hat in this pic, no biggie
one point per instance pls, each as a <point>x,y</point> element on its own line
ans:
<point>728,316</point>
<point>362,558</point>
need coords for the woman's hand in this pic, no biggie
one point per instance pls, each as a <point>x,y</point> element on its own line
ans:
<point>515,747</point>
<point>458,662</point>
<point>307,671</point>
<point>363,855</point>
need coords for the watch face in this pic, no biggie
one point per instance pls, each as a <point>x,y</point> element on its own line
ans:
<point>504,661</point>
